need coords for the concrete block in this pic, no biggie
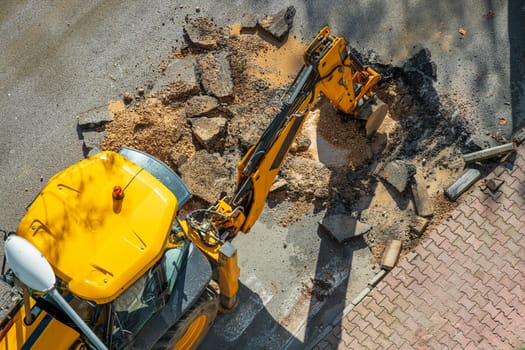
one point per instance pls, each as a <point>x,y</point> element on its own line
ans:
<point>391,254</point>
<point>467,179</point>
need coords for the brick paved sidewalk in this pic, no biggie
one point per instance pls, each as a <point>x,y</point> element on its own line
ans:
<point>462,288</point>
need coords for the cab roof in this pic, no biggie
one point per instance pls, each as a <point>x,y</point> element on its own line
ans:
<point>98,245</point>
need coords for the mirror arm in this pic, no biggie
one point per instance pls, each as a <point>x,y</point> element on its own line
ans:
<point>28,319</point>
<point>53,293</point>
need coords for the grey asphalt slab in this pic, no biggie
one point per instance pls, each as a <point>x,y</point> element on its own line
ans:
<point>61,58</point>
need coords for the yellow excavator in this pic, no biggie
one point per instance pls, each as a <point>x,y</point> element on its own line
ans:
<point>102,258</point>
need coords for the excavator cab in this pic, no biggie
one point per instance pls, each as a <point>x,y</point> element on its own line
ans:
<point>129,299</point>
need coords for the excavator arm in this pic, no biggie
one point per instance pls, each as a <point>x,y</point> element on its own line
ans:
<point>329,68</point>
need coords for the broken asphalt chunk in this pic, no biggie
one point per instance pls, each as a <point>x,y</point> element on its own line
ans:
<point>493,184</point>
<point>344,227</point>
<point>249,23</point>
<point>422,200</point>
<point>216,75</point>
<point>467,179</point>
<point>181,74</point>
<point>209,131</point>
<point>519,137</point>
<point>201,33</point>
<point>279,25</point>
<point>199,105</point>
<point>397,173</point>
<point>94,120</point>
<point>489,153</point>
<point>214,180</point>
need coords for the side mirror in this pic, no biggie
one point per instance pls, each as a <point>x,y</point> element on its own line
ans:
<point>28,264</point>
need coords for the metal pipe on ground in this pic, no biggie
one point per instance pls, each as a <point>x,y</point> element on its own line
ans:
<point>489,153</point>
<point>467,179</point>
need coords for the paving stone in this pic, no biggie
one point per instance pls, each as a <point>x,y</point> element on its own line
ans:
<point>392,250</point>
<point>493,184</point>
<point>419,224</point>
<point>478,304</point>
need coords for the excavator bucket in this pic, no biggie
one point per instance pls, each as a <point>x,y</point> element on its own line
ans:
<point>378,111</point>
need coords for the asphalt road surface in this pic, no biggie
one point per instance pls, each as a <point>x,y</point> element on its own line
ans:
<point>61,58</point>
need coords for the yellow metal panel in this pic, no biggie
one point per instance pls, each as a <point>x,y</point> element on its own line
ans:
<point>56,336</point>
<point>43,334</point>
<point>96,244</point>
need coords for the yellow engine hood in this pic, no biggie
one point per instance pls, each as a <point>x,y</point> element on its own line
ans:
<point>95,244</point>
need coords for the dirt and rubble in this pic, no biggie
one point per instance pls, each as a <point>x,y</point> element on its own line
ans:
<point>223,86</point>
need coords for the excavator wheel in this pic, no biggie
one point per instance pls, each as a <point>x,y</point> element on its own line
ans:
<point>191,329</point>
<point>376,117</point>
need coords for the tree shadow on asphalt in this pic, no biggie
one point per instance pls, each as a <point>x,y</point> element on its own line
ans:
<point>249,326</point>
<point>252,326</point>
